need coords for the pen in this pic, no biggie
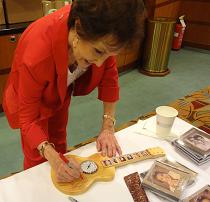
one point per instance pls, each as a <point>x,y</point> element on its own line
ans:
<point>67,162</point>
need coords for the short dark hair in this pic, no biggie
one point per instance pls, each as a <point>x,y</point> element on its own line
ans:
<point>124,19</point>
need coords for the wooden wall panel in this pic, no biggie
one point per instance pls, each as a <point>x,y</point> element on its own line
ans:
<point>197,32</point>
<point>196,10</point>
<point>23,10</point>
<point>2,20</point>
<point>197,18</point>
<point>133,53</point>
<point>129,55</point>
<point>160,3</point>
<point>150,6</point>
<point>8,44</point>
<point>169,9</point>
<point>3,79</point>
<point>120,59</point>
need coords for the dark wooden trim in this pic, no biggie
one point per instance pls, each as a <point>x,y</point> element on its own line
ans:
<point>165,3</point>
<point>173,1</point>
<point>13,28</point>
<point>205,1</point>
<point>5,71</point>
<point>1,108</point>
<point>198,22</point>
<point>196,45</point>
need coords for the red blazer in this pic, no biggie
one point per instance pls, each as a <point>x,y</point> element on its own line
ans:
<point>37,84</point>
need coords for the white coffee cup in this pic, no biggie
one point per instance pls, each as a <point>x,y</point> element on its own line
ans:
<point>165,117</point>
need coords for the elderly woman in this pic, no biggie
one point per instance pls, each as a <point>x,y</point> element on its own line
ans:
<point>69,52</point>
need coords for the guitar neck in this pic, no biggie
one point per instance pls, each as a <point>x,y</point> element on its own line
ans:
<point>133,157</point>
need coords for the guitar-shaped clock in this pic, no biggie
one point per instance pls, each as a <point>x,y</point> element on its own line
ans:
<point>99,168</point>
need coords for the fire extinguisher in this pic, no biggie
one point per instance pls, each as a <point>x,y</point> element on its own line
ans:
<point>179,33</point>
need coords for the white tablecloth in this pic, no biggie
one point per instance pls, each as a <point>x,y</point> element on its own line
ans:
<point>35,185</point>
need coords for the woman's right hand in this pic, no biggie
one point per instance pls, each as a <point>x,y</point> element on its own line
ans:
<point>63,172</point>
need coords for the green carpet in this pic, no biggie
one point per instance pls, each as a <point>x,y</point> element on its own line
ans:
<point>190,70</point>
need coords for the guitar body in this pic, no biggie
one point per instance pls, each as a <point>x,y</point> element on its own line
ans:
<point>99,168</point>
<point>81,185</point>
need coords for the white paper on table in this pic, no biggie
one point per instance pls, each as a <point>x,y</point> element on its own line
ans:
<point>148,127</point>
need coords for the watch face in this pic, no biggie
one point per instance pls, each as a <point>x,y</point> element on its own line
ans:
<point>89,167</point>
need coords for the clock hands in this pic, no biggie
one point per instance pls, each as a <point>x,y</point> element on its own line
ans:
<point>89,166</point>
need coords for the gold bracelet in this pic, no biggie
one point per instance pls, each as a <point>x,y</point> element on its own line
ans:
<point>43,147</point>
<point>106,116</point>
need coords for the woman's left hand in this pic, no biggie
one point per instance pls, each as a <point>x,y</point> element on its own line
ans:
<point>107,143</point>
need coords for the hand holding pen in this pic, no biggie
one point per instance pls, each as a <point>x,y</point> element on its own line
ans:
<point>73,165</point>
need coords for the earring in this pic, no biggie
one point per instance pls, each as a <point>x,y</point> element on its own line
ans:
<point>75,41</point>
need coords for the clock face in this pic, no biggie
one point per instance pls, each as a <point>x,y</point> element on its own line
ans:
<point>89,167</point>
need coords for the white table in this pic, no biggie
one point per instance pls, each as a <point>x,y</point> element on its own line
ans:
<point>35,185</point>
